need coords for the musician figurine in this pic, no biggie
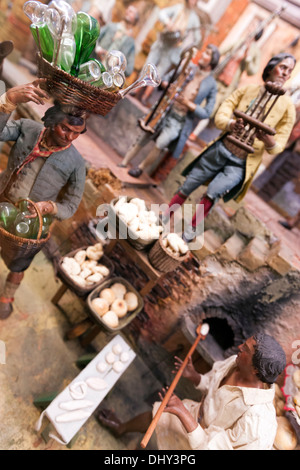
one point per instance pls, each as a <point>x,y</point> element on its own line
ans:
<point>197,85</point>
<point>243,56</point>
<point>182,28</point>
<point>254,118</point>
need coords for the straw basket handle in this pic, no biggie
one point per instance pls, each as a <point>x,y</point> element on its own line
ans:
<point>39,215</point>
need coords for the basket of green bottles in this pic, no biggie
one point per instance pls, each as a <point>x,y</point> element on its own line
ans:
<point>71,90</point>
<point>65,59</point>
<point>22,232</point>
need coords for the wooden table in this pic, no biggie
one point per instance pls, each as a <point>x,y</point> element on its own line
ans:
<point>87,329</point>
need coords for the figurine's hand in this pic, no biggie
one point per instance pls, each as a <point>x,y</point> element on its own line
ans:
<point>237,126</point>
<point>176,407</point>
<point>189,372</point>
<point>267,139</point>
<point>29,92</point>
<point>45,208</point>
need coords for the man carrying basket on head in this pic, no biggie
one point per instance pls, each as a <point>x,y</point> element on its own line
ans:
<point>43,166</point>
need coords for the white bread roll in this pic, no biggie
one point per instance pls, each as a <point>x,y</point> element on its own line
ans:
<point>101,306</point>
<point>119,290</point>
<point>111,319</point>
<point>119,306</point>
<point>131,300</point>
<point>118,366</point>
<point>80,256</point>
<point>108,294</point>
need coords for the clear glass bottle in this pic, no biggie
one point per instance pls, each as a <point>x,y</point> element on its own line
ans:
<point>22,226</point>
<point>105,81</point>
<point>89,71</point>
<point>8,213</point>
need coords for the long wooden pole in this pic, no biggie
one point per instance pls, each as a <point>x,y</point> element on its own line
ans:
<point>150,430</point>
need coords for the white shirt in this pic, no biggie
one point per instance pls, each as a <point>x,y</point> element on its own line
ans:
<point>234,418</point>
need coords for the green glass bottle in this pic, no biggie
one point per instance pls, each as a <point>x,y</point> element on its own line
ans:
<point>42,36</point>
<point>23,204</point>
<point>86,35</point>
<point>47,221</point>
<point>8,213</point>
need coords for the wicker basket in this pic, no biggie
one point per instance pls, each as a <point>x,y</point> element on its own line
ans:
<point>79,290</point>
<point>125,232</point>
<point>164,261</point>
<point>70,90</point>
<point>14,248</point>
<point>123,321</point>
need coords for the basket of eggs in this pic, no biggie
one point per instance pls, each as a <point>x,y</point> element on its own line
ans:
<point>115,304</point>
<point>168,253</point>
<point>135,222</point>
<point>84,269</point>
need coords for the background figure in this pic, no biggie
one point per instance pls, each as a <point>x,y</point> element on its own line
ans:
<point>236,411</point>
<point>102,10</point>
<point>199,86</point>
<point>247,59</point>
<point>6,47</point>
<point>230,172</point>
<point>119,36</point>
<point>293,149</point>
<point>181,29</point>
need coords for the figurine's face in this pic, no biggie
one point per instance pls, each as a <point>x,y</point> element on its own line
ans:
<point>191,3</point>
<point>64,133</point>
<point>282,71</point>
<point>205,59</point>
<point>131,14</point>
<point>245,355</point>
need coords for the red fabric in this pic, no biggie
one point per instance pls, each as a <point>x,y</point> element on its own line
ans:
<point>4,300</point>
<point>295,135</point>
<point>37,152</point>
<point>208,203</point>
<point>177,199</point>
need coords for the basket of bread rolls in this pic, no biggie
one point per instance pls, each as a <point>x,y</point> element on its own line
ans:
<point>168,253</point>
<point>85,268</point>
<point>115,304</point>
<point>135,222</point>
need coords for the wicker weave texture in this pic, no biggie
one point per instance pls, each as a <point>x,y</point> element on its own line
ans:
<point>70,90</point>
<point>162,260</point>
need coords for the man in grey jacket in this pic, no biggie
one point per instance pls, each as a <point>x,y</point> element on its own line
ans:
<point>43,166</point>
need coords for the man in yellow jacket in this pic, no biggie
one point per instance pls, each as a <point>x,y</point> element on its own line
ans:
<point>230,175</point>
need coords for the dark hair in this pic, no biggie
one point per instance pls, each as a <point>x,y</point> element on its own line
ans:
<point>215,57</point>
<point>58,113</point>
<point>259,35</point>
<point>275,61</point>
<point>269,358</point>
